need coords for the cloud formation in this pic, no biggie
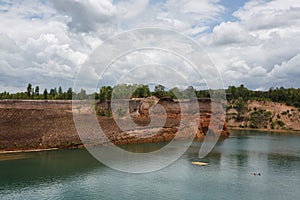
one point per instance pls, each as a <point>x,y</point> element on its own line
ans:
<point>264,38</point>
<point>45,42</point>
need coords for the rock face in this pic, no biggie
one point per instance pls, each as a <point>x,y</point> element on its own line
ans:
<point>49,124</point>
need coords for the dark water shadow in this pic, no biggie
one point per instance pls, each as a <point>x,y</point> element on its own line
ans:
<point>40,167</point>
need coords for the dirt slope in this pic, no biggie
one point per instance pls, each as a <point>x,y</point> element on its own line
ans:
<point>49,124</point>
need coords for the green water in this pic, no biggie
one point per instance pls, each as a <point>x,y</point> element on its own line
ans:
<point>74,174</point>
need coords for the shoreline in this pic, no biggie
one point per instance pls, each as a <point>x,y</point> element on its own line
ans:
<point>4,152</point>
<point>27,150</point>
<point>265,130</point>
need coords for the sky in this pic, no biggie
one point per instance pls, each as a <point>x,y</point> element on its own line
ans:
<point>45,42</point>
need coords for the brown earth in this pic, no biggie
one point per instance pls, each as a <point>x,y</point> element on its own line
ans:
<point>289,115</point>
<point>29,125</point>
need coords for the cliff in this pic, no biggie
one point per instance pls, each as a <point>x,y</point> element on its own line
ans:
<point>49,124</point>
<point>265,115</point>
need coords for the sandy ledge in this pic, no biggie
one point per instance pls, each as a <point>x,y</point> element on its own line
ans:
<point>26,151</point>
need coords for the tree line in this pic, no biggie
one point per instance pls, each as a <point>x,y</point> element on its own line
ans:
<point>290,96</point>
<point>34,93</point>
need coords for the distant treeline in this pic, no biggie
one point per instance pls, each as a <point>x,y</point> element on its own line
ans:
<point>290,96</point>
<point>34,93</point>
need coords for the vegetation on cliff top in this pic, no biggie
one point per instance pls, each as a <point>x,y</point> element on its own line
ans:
<point>240,95</point>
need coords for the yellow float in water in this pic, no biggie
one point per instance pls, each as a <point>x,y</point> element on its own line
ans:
<point>200,163</point>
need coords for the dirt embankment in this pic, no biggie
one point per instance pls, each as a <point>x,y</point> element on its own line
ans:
<point>49,124</point>
<point>265,115</point>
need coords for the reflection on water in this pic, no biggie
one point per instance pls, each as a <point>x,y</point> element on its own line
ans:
<point>74,174</point>
<point>14,156</point>
<point>45,166</point>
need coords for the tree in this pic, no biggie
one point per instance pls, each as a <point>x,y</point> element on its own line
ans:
<point>45,94</point>
<point>189,93</point>
<point>29,90</point>
<point>60,91</point>
<point>37,91</point>
<point>159,90</point>
<point>122,91</point>
<point>4,95</point>
<point>141,91</point>
<point>82,94</point>
<point>240,107</point>
<point>69,94</point>
<point>175,93</point>
<point>105,93</point>
<point>52,93</point>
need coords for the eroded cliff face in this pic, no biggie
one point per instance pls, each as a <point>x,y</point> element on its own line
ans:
<point>49,124</point>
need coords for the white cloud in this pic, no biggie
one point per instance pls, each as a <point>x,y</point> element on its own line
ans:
<point>46,42</point>
<point>264,14</point>
<point>37,47</point>
<point>230,33</point>
<point>188,16</point>
<point>264,38</point>
<point>288,69</point>
<point>87,15</point>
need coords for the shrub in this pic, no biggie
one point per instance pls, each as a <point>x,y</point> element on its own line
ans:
<point>260,118</point>
<point>278,116</point>
<point>272,125</point>
<point>104,113</point>
<point>228,107</point>
<point>280,123</point>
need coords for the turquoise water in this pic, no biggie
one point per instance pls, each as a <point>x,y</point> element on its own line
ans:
<point>74,174</point>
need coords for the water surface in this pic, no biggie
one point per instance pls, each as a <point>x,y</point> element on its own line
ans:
<point>75,174</point>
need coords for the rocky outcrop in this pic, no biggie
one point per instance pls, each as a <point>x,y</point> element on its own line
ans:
<point>49,124</point>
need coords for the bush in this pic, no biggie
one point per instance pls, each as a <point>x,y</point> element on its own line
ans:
<point>280,123</point>
<point>272,125</point>
<point>260,118</point>
<point>278,116</point>
<point>104,113</point>
<point>228,107</point>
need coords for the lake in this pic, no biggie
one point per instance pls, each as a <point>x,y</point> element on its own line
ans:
<point>75,174</point>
